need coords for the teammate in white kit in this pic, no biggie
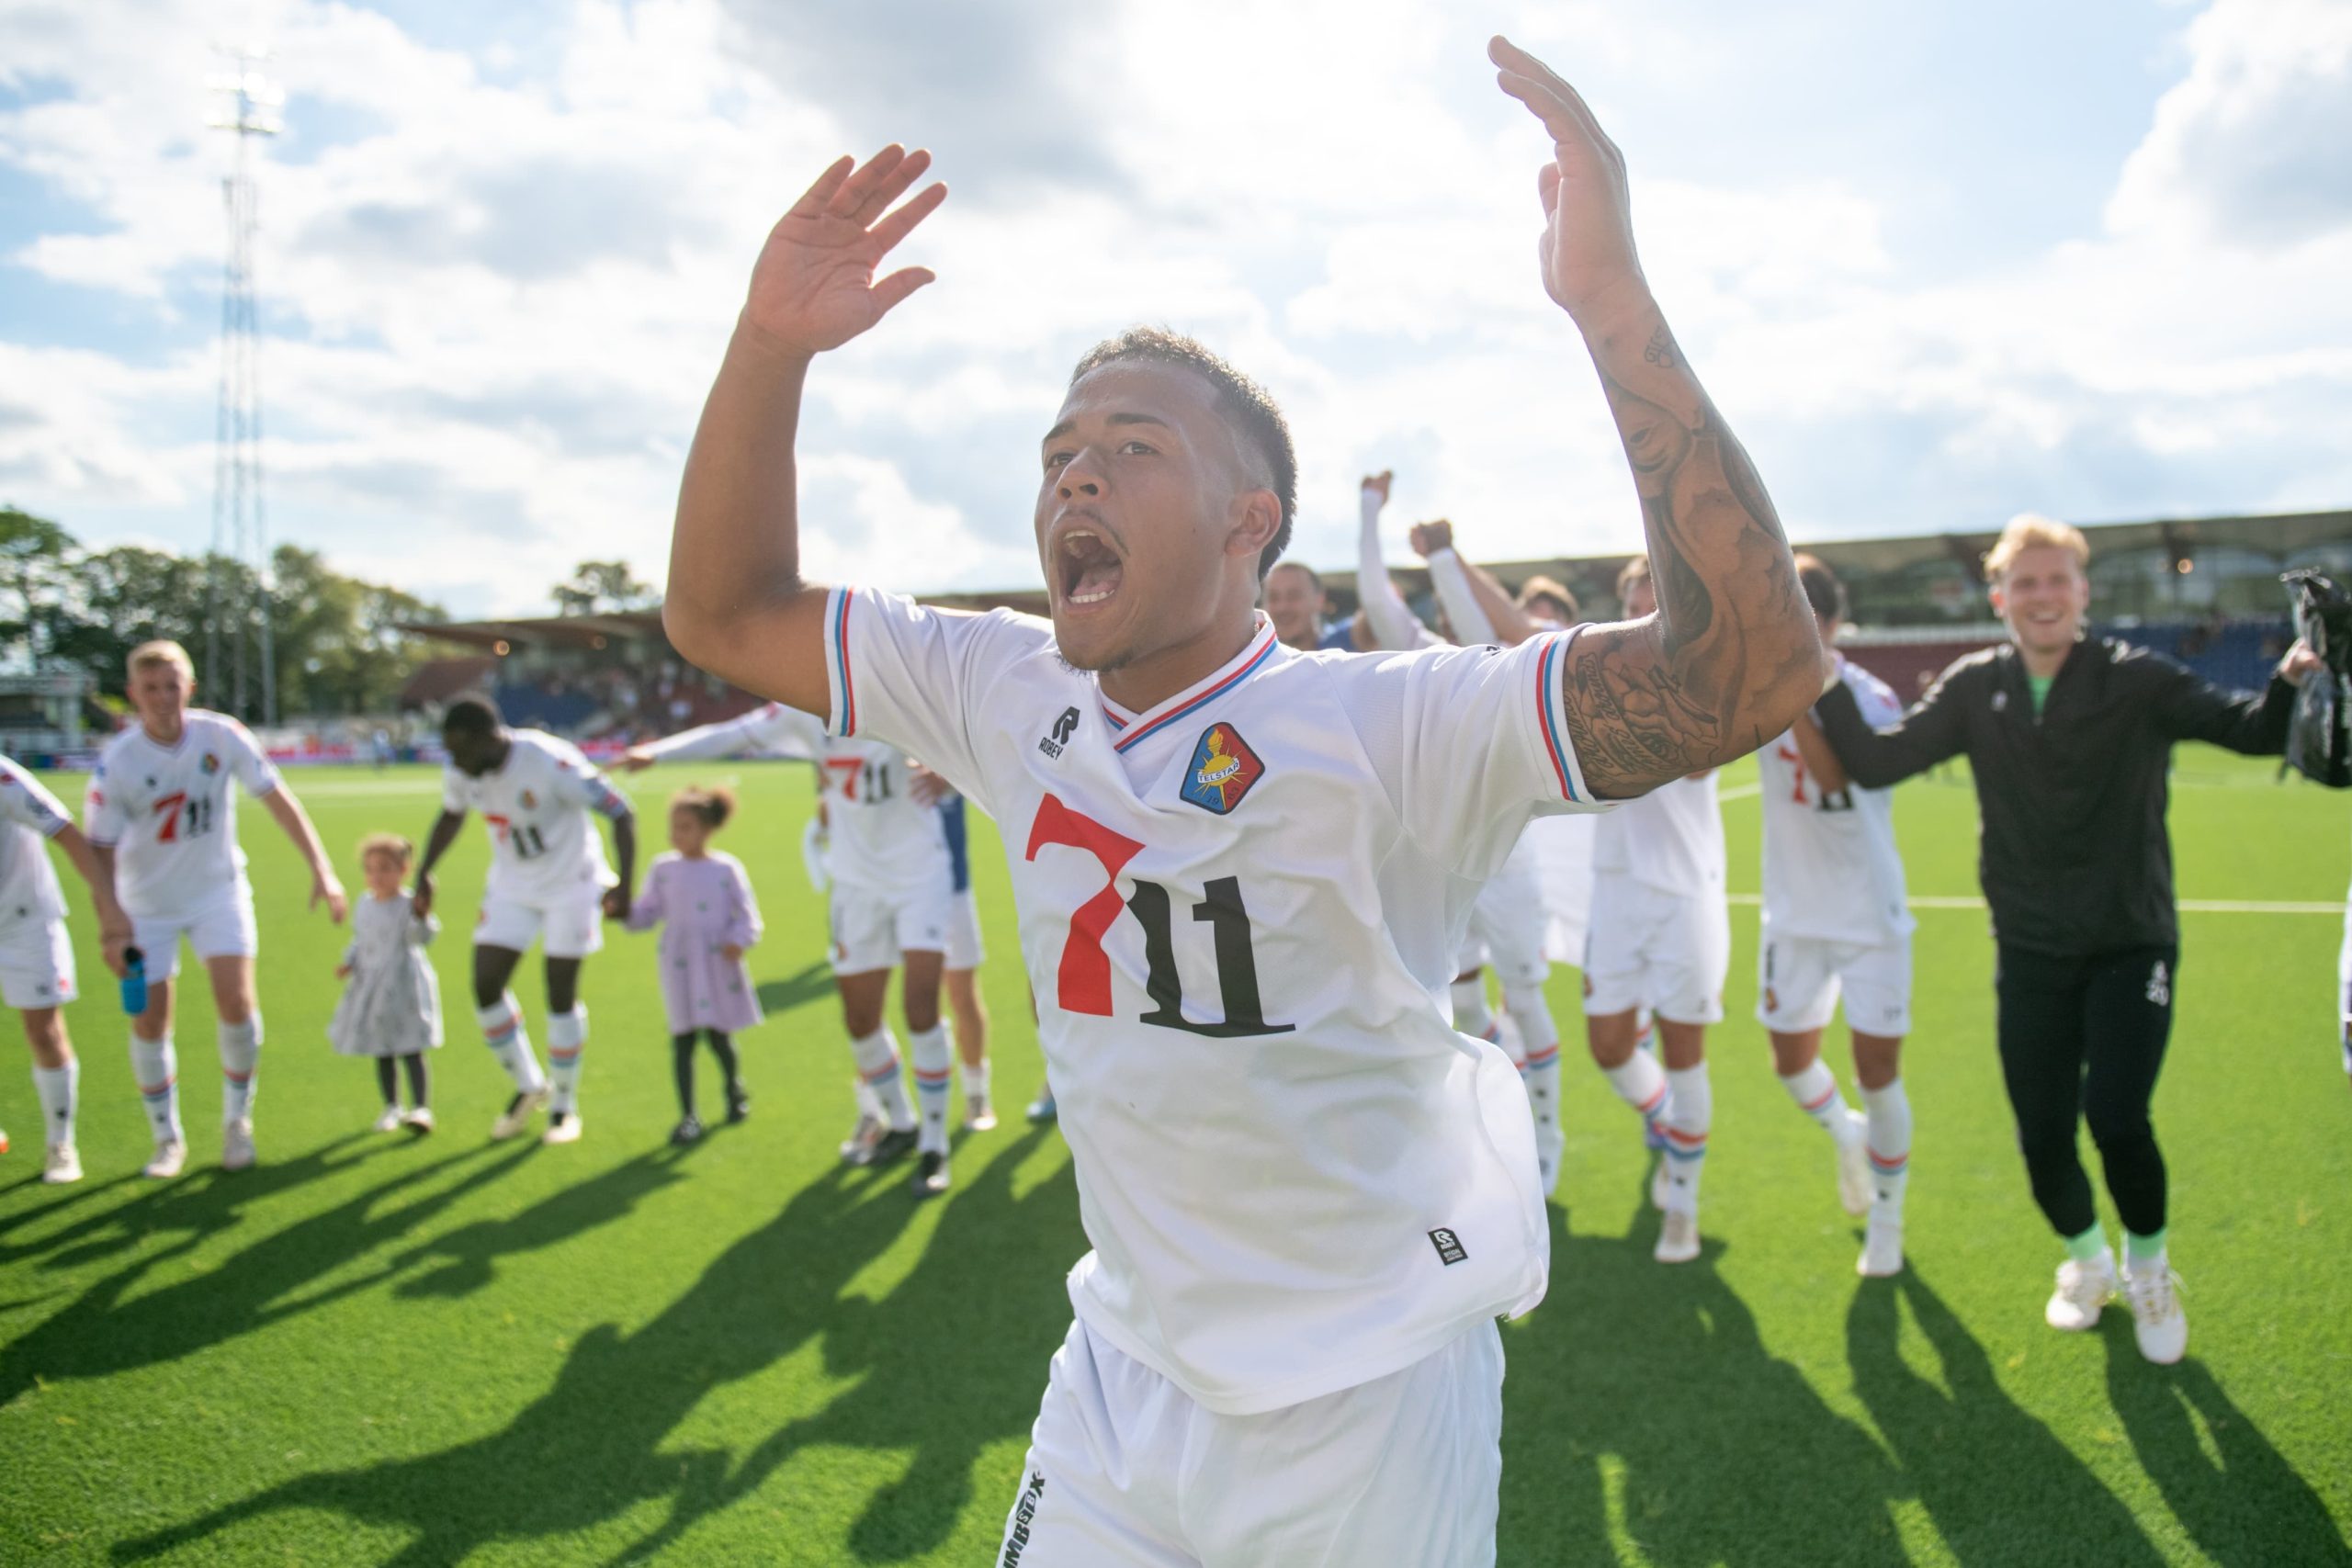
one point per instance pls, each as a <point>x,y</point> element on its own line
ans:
<point>1242,872</point>
<point>36,955</point>
<point>548,883</point>
<point>1660,938</point>
<point>163,816</point>
<point>1838,923</point>
<point>893,899</point>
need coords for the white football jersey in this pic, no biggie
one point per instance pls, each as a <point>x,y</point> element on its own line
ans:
<point>1240,913</point>
<point>1671,838</point>
<point>877,839</point>
<point>30,818</point>
<point>545,844</point>
<point>1831,870</point>
<point>169,814</point>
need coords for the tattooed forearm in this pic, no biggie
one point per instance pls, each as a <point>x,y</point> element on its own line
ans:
<point>1732,655</point>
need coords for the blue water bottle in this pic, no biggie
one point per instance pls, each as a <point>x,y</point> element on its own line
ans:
<point>134,981</point>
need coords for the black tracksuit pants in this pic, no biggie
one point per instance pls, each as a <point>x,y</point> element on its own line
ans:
<point>2083,1039</point>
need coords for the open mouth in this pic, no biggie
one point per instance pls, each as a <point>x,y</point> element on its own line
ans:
<point>1089,569</point>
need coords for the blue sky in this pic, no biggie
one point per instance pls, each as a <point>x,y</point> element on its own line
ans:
<point>1938,263</point>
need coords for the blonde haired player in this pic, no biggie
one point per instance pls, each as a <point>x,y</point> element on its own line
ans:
<point>36,957</point>
<point>1309,1197</point>
<point>1836,925</point>
<point>163,816</point>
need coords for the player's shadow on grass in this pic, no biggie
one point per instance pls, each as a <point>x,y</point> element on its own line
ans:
<point>119,1324</point>
<point>1642,1410</point>
<point>1999,1486</point>
<point>2238,1497</point>
<point>597,1444</point>
<point>805,985</point>
<point>463,1260</point>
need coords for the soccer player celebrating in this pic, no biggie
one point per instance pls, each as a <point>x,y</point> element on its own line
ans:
<point>162,819</point>
<point>1836,921</point>
<point>36,955</point>
<point>2069,740</point>
<point>892,900</point>
<point>549,882</point>
<point>1242,874</point>
<point>1294,603</point>
<point>1660,938</point>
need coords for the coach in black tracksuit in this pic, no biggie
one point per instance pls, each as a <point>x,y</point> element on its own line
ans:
<point>2070,741</point>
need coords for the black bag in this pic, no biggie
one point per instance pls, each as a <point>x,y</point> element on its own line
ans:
<point>2319,737</point>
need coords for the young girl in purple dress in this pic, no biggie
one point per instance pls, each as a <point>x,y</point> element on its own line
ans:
<point>702,900</point>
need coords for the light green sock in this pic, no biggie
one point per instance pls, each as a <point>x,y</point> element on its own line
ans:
<point>2083,1248</point>
<point>2144,1249</point>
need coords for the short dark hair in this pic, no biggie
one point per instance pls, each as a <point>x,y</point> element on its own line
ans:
<point>1540,588</point>
<point>1248,407</point>
<point>1313,576</point>
<point>472,712</point>
<point>1822,589</point>
<point>1633,572</point>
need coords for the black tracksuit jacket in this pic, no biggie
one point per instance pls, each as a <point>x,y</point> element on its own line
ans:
<point>2072,848</point>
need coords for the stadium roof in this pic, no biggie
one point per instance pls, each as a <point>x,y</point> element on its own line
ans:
<point>2278,535</point>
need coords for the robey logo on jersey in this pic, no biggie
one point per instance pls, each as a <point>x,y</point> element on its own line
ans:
<point>1064,728</point>
<point>1222,769</point>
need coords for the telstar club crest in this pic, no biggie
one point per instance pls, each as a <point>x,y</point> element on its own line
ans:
<point>1222,769</point>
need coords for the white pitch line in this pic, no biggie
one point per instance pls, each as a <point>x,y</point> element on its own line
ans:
<point>2187,905</point>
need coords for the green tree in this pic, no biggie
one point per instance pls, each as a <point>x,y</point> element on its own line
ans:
<point>34,553</point>
<point>601,586</point>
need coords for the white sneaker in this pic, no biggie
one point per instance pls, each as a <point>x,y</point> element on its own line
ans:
<point>2083,1290</point>
<point>237,1145</point>
<point>1881,1256</point>
<point>862,1138</point>
<point>980,1115</point>
<point>63,1165</point>
<point>390,1122</point>
<point>3,1141</point>
<point>518,1114</point>
<point>563,1127</point>
<point>170,1156</point>
<point>2152,1291</point>
<point>418,1120</point>
<point>1678,1239</point>
<point>1855,1188</point>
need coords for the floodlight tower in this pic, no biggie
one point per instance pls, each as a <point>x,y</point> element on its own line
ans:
<point>240,528</point>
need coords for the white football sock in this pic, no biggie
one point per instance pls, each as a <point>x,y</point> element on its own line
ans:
<point>57,1089</point>
<point>1470,1012</point>
<point>155,1068</point>
<point>1816,1091</point>
<point>1640,1083</point>
<point>975,1078</point>
<point>1689,1111</point>
<point>567,1037</point>
<point>240,1051</point>
<point>1890,1146</point>
<point>877,1067</point>
<point>933,1055</point>
<point>510,1041</point>
<point>1540,1039</point>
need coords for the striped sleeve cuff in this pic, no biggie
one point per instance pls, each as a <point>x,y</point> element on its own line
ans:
<point>1552,718</point>
<point>839,674</point>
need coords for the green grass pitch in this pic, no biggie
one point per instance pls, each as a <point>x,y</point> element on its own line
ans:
<point>370,1350</point>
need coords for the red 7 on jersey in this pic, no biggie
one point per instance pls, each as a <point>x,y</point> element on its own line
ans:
<point>1083,981</point>
<point>847,767</point>
<point>168,808</point>
<point>498,825</point>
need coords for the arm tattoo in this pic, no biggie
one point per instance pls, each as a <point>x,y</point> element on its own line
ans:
<point>1732,655</point>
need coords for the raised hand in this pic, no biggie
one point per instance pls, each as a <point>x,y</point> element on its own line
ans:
<point>636,760</point>
<point>1377,484</point>
<point>1587,252</point>
<point>813,287</point>
<point>1428,538</point>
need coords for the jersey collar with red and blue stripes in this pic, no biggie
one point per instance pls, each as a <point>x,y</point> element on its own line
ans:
<point>1132,729</point>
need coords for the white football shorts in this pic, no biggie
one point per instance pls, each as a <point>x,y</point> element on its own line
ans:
<point>873,931</point>
<point>224,928</point>
<point>571,927</point>
<point>1646,947</point>
<point>1798,980</point>
<point>1124,1471</point>
<point>37,965</point>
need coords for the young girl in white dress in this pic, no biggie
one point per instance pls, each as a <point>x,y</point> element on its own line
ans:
<point>391,1000</point>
